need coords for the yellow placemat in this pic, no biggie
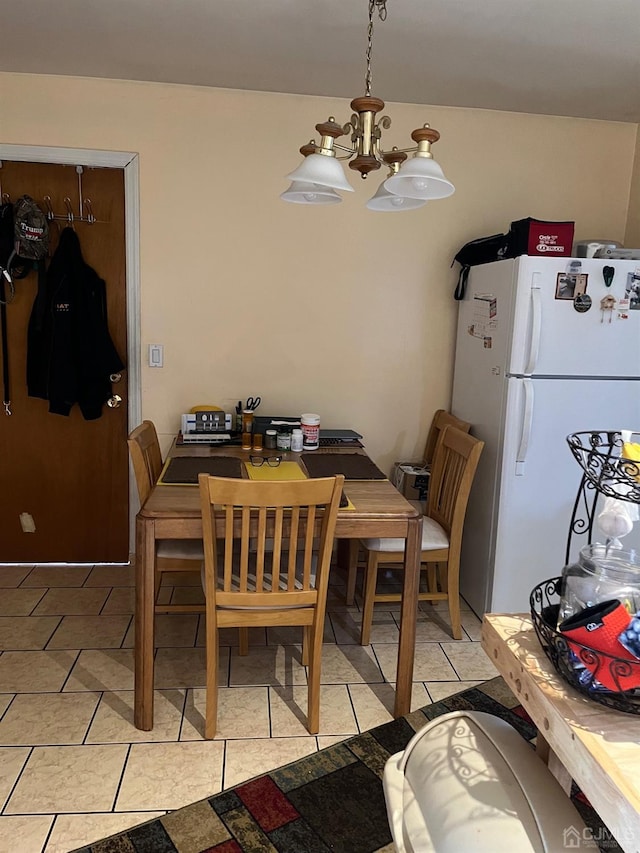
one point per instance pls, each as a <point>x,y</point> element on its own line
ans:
<point>284,471</point>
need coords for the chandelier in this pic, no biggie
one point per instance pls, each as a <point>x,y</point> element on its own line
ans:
<point>411,181</point>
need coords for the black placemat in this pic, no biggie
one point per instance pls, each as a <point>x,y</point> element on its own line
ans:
<point>354,466</point>
<point>184,470</point>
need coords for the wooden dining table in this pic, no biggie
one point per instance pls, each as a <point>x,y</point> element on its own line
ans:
<point>376,509</point>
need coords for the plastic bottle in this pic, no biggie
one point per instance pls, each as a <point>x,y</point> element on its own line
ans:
<point>297,440</point>
<point>310,424</point>
<point>284,439</point>
<point>271,439</point>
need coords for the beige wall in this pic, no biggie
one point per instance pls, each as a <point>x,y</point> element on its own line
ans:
<point>335,310</point>
<point>632,238</point>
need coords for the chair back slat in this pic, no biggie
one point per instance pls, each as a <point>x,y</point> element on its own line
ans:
<point>261,548</point>
<point>294,530</point>
<point>279,541</point>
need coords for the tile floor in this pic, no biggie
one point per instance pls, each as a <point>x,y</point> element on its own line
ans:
<point>73,768</point>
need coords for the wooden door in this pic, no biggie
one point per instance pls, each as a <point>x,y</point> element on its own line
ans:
<point>67,474</point>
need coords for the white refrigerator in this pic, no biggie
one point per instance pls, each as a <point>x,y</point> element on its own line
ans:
<point>531,367</point>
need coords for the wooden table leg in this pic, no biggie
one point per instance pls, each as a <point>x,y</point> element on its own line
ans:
<point>408,616</point>
<point>144,623</point>
<point>557,768</point>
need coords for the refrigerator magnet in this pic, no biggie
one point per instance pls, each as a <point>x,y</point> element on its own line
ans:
<point>607,304</point>
<point>570,285</point>
<point>608,274</point>
<point>582,303</point>
<point>632,290</point>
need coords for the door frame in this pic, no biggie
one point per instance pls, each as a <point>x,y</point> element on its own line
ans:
<point>128,161</point>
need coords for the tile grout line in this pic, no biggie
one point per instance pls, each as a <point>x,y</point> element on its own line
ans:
<point>68,676</point>
<point>18,777</point>
<point>49,834</point>
<point>93,716</point>
<point>119,785</point>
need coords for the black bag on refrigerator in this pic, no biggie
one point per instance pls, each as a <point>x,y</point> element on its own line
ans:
<point>480,251</point>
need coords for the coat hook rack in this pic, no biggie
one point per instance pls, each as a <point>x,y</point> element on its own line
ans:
<point>84,204</point>
<point>85,207</point>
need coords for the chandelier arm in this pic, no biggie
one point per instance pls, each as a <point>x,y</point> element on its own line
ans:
<point>350,150</point>
<point>399,150</point>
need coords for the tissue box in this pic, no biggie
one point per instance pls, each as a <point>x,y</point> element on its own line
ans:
<point>411,479</point>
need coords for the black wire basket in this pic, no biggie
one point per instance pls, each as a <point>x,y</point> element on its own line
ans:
<point>599,454</point>
<point>578,664</point>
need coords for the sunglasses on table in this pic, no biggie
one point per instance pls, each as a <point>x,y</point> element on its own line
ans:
<point>271,461</point>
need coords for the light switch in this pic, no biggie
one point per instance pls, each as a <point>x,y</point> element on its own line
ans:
<point>156,355</point>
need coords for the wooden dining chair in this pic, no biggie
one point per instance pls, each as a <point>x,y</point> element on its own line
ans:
<point>455,462</point>
<point>299,517</point>
<point>440,420</point>
<point>172,555</point>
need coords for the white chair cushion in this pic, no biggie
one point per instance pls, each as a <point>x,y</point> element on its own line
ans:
<point>433,538</point>
<point>180,549</point>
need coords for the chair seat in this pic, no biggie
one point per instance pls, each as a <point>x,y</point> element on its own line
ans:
<point>267,583</point>
<point>433,538</point>
<point>180,549</point>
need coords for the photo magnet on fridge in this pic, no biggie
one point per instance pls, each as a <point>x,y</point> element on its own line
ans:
<point>570,285</point>
<point>632,290</point>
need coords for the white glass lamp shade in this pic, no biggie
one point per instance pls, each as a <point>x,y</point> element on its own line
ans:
<point>385,201</point>
<point>322,170</point>
<point>420,177</point>
<point>300,192</point>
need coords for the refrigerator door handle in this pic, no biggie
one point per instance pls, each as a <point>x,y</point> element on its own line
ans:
<point>536,325</point>
<point>527,422</point>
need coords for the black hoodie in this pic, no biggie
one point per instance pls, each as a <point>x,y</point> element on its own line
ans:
<point>70,353</point>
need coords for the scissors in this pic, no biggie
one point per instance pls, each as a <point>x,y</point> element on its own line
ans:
<point>253,403</point>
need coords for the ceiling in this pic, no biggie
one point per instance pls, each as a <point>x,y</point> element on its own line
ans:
<point>559,57</point>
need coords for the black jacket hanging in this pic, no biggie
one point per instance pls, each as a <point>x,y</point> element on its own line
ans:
<point>70,354</point>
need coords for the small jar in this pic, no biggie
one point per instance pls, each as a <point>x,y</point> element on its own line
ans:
<point>600,574</point>
<point>257,441</point>
<point>271,439</point>
<point>310,431</point>
<point>283,441</point>
<point>296,440</point>
<point>247,421</point>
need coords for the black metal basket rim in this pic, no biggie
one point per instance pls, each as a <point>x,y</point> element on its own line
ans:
<point>558,635</point>
<point>611,474</point>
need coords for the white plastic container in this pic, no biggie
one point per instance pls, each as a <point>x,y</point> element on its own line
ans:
<point>310,431</point>
<point>297,440</point>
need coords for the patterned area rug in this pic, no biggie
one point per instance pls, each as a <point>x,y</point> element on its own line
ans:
<point>329,801</point>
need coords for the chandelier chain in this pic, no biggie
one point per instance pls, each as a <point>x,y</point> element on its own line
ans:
<point>381,6</point>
